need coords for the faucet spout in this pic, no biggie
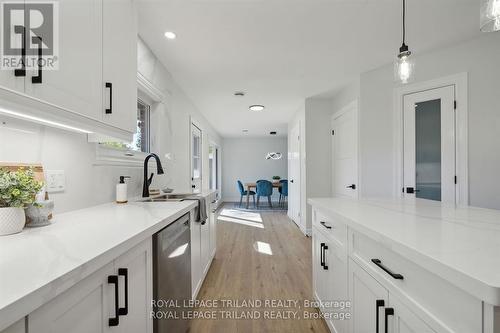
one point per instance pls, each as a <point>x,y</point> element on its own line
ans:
<point>147,181</point>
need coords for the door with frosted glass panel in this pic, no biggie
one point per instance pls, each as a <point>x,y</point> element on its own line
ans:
<point>429,145</point>
<point>196,161</point>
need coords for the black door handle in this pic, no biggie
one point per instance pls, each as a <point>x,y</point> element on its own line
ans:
<point>110,109</point>
<point>353,186</point>
<point>388,312</point>
<point>124,272</point>
<point>38,78</point>
<point>291,181</point>
<point>325,225</point>
<point>193,186</point>
<point>114,321</point>
<point>19,29</point>
<point>396,276</point>
<point>379,304</point>
<point>324,247</point>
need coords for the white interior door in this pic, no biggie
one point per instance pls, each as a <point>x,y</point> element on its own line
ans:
<point>429,145</point>
<point>196,159</point>
<point>345,152</point>
<point>294,174</point>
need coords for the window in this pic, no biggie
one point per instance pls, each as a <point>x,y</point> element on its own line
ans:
<point>141,138</point>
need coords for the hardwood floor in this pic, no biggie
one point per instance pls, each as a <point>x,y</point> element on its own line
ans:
<point>260,256</point>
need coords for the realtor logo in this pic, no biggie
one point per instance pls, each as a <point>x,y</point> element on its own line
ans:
<point>29,35</point>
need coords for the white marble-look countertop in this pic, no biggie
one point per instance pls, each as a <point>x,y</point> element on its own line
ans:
<point>461,245</point>
<point>38,264</point>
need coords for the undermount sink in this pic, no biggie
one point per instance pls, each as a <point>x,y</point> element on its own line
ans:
<point>168,197</point>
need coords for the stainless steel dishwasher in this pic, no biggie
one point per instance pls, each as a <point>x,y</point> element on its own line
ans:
<point>172,274</point>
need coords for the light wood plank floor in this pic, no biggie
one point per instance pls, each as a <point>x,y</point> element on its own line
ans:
<point>259,260</point>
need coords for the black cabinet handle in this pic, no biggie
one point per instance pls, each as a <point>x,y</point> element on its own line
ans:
<point>379,304</point>
<point>321,255</point>
<point>114,321</point>
<point>396,276</point>
<point>124,272</point>
<point>19,29</point>
<point>325,225</point>
<point>323,248</point>
<point>388,312</point>
<point>353,186</point>
<point>110,109</point>
<point>38,78</point>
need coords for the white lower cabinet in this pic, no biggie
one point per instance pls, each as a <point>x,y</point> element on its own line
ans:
<point>369,299</point>
<point>330,279</point>
<point>403,320</point>
<point>116,298</point>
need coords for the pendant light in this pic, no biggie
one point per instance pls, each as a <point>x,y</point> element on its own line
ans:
<point>490,15</point>
<point>403,69</point>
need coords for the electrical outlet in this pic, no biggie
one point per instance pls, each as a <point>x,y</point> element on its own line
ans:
<point>55,181</point>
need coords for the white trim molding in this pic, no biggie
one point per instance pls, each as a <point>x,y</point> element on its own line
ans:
<point>147,87</point>
<point>460,82</point>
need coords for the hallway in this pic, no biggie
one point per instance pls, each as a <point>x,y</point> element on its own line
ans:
<point>260,256</point>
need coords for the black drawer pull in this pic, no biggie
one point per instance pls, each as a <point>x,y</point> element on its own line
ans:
<point>396,276</point>
<point>124,272</point>
<point>114,321</point>
<point>321,255</point>
<point>38,79</point>
<point>110,109</point>
<point>379,304</point>
<point>20,29</point>
<point>325,225</point>
<point>324,247</point>
<point>388,312</point>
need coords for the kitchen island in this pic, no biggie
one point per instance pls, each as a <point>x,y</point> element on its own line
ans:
<point>424,266</point>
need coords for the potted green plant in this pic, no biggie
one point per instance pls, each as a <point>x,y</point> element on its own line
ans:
<point>276,179</point>
<point>17,191</point>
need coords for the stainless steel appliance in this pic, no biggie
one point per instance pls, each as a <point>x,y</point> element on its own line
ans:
<point>172,274</point>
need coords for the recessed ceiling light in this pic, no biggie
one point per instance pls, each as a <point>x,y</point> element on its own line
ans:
<point>239,93</point>
<point>256,107</point>
<point>170,35</point>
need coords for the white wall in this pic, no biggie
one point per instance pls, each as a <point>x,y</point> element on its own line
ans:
<point>88,184</point>
<point>479,58</point>
<point>245,160</point>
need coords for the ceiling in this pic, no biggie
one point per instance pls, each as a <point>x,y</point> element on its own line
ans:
<point>280,52</point>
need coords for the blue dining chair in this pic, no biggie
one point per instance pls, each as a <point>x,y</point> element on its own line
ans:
<point>283,189</point>
<point>243,192</point>
<point>264,189</point>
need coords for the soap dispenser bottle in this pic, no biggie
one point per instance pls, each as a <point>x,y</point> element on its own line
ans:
<point>121,190</point>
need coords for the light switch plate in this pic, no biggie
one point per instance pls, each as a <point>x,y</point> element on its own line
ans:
<point>55,181</point>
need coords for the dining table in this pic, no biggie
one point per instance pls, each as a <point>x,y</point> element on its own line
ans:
<point>250,186</point>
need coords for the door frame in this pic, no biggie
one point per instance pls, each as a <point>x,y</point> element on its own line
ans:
<point>351,106</point>
<point>460,81</point>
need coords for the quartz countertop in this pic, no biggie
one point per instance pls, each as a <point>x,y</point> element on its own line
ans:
<point>461,245</point>
<point>38,264</point>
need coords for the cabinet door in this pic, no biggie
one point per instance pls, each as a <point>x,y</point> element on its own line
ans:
<point>81,309</point>
<point>319,272</point>
<point>134,270</point>
<point>205,244</point>
<point>403,320</point>
<point>336,281</point>
<point>195,255</point>
<point>76,84</point>
<point>368,299</point>
<point>213,230</point>
<point>119,64</point>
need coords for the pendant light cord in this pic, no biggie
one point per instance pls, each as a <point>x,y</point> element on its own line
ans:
<point>404,21</point>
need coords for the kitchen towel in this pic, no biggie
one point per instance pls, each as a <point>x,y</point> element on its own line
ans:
<point>202,208</point>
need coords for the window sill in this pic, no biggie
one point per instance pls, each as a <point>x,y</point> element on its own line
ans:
<point>118,157</point>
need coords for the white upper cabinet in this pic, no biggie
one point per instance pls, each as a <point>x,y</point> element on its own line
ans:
<point>75,84</point>
<point>119,85</point>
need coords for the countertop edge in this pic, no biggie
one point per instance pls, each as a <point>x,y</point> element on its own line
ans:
<point>23,306</point>
<point>477,288</point>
